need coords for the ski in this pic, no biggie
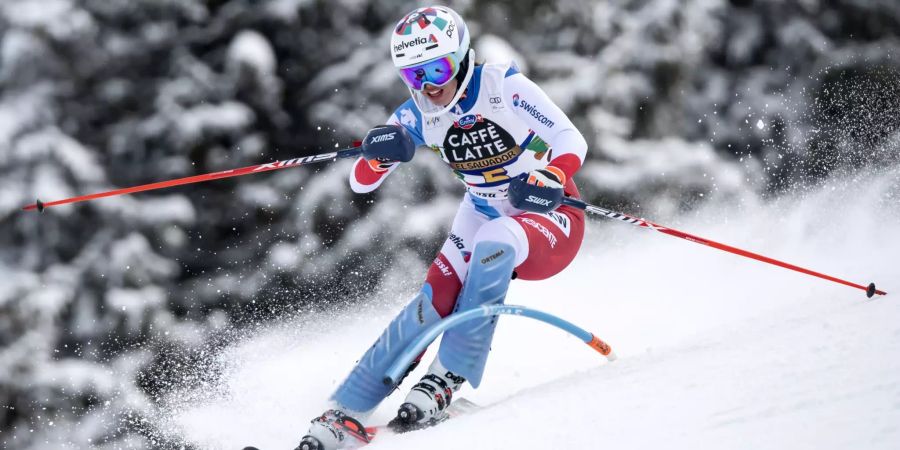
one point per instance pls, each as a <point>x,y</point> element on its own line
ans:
<point>458,408</point>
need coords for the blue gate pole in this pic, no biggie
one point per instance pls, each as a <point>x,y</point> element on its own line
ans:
<point>401,364</point>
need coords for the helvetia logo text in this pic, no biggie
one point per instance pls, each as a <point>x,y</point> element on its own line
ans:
<point>413,43</point>
<point>458,241</point>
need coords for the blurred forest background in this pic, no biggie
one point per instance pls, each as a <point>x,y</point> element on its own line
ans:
<point>107,306</point>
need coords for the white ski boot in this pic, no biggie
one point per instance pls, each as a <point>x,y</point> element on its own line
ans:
<point>428,400</point>
<point>334,430</point>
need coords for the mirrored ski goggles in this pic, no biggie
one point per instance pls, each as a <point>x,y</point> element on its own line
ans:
<point>436,72</point>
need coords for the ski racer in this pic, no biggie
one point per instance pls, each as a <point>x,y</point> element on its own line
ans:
<point>516,152</point>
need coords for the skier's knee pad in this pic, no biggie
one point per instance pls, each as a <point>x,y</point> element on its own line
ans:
<point>504,230</point>
<point>364,389</point>
<point>464,348</point>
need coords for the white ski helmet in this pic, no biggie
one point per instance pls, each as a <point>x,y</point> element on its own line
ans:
<point>429,46</point>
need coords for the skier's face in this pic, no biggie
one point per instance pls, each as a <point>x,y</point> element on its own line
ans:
<point>440,96</point>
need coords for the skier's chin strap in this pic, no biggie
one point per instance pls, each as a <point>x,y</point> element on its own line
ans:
<point>425,106</point>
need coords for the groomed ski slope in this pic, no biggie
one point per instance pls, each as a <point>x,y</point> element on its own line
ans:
<point>715,351</point>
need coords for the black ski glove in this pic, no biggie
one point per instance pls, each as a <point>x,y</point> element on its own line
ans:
<point>538,191</point>
<point>388,144</point>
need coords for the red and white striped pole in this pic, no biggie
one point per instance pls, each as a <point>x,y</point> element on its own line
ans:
<point>356,151</point>
<point>870,289</point>
<point>283,164</point>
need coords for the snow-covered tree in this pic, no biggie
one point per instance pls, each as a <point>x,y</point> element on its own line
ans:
<point>108,305</point>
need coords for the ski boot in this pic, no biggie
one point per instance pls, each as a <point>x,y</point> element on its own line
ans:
<point>334,430</point>
<point>428,400</point>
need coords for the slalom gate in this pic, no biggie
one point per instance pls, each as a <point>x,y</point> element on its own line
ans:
<point>397,370</point>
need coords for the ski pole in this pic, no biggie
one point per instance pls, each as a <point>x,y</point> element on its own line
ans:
<point>870,289</point>
<point>351,152</point>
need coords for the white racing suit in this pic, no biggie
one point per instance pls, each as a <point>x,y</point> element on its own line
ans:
<point>504,126</point>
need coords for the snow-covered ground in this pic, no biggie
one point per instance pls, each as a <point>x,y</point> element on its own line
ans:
<point>715,351</point>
